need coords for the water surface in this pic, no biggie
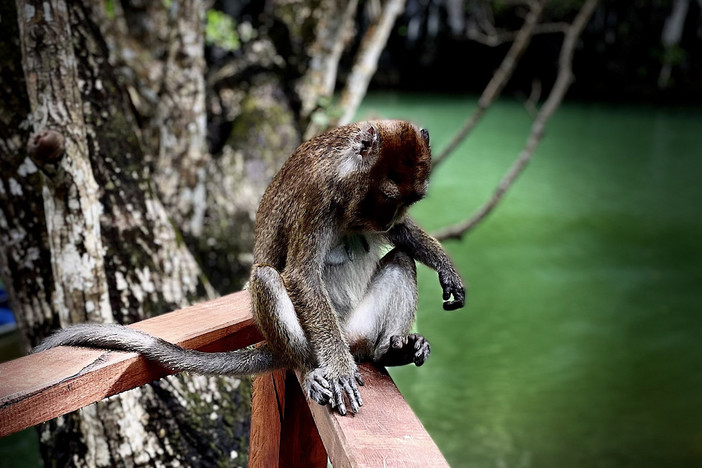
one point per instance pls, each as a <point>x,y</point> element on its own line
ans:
<point>581,345</point>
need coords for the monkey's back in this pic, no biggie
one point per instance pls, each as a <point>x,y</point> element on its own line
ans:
<point>296,204</point>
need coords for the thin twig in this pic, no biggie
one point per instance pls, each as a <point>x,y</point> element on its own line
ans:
<point>563,81</point>
<point>366,63</point>
<point>498,80</point>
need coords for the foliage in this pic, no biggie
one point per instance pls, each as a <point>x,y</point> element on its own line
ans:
<point>221,31</point>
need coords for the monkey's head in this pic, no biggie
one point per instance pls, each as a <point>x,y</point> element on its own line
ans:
<point>390,165</point>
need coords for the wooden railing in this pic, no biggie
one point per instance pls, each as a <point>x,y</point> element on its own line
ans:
<point>286,429</point>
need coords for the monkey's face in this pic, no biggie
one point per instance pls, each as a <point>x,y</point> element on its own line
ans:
<point>399,175</point>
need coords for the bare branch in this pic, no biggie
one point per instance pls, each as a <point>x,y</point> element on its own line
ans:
<point>498,81</point>
<point>533,99</point>
<point>496,38</point>
<point>372,45</point>
<point>563,81</point>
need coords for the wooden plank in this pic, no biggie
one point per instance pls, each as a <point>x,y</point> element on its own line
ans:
<point>42,386</point>
<point>300,444</point>
<point>267,408</point>
<point>386,432</point>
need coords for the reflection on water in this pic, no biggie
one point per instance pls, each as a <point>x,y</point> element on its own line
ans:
<point>581,345</point>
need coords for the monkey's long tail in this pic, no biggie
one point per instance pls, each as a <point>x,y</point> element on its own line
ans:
<point>245,361</point>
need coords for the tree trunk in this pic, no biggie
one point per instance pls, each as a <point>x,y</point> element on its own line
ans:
<point>85,237</point>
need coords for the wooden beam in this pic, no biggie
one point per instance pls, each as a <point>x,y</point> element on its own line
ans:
<point>386,432</point>
<point>283,433</point>
<point>267,409</point>
<point>300,444</point>
<point>42,386</point>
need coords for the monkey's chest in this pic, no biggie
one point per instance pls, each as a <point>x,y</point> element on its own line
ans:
<point>349,268</point>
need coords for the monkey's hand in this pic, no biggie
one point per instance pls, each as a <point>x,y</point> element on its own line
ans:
<point>452,285</point>
<point>333,386</point>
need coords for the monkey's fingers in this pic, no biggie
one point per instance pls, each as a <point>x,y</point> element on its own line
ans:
<point>352,392</point>
<point>453,305</point>
<point>319,394</point>
<point>337,400</point>
<point>321,380</point>
<point>359,378</point>
<point>422,350</point>
<point>338,397</point>
<point>459,298</point>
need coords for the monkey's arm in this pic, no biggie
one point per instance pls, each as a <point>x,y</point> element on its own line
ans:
<point>411,238</point>
<point>319,321</point>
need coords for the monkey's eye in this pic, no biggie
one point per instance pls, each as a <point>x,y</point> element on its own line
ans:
<point>394,177</point>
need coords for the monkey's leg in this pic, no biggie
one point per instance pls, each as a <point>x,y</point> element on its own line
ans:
<point>379,326</point>
<point>275,314</point>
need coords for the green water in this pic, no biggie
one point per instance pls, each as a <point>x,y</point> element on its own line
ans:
<point>581,345</point>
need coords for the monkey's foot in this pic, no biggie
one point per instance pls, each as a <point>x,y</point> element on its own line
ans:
<point>317,387</point>
<point>334,391</point>
<point>408,349</point>
<point>348,386</point>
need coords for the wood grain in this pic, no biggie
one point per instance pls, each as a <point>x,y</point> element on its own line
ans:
<point>42,386</point>
<point>386,432</point>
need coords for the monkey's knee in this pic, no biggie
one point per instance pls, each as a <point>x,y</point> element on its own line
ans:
<point>399,259</point>
<point>388,308</point>
<point>398,273</point>
<point>265,277</point>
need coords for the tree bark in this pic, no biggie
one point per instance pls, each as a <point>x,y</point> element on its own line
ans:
<point>85,237</point>
<point>333,32</point>
<point>366,62</point>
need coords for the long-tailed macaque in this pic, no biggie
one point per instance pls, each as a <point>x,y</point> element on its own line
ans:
<point>334,279</point>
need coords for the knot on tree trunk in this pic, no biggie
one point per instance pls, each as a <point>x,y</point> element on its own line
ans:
<point>46,147</point>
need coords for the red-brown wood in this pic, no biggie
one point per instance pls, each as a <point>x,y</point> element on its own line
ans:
<point>42,386</point>
<point>300,444</point>
<point>386,432</point>
<point>267,408</point>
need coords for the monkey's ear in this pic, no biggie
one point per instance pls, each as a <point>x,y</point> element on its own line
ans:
<point>425,135</point>
<point>369,140</point>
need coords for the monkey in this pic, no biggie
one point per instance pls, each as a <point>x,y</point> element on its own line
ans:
<point>334,279</point>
